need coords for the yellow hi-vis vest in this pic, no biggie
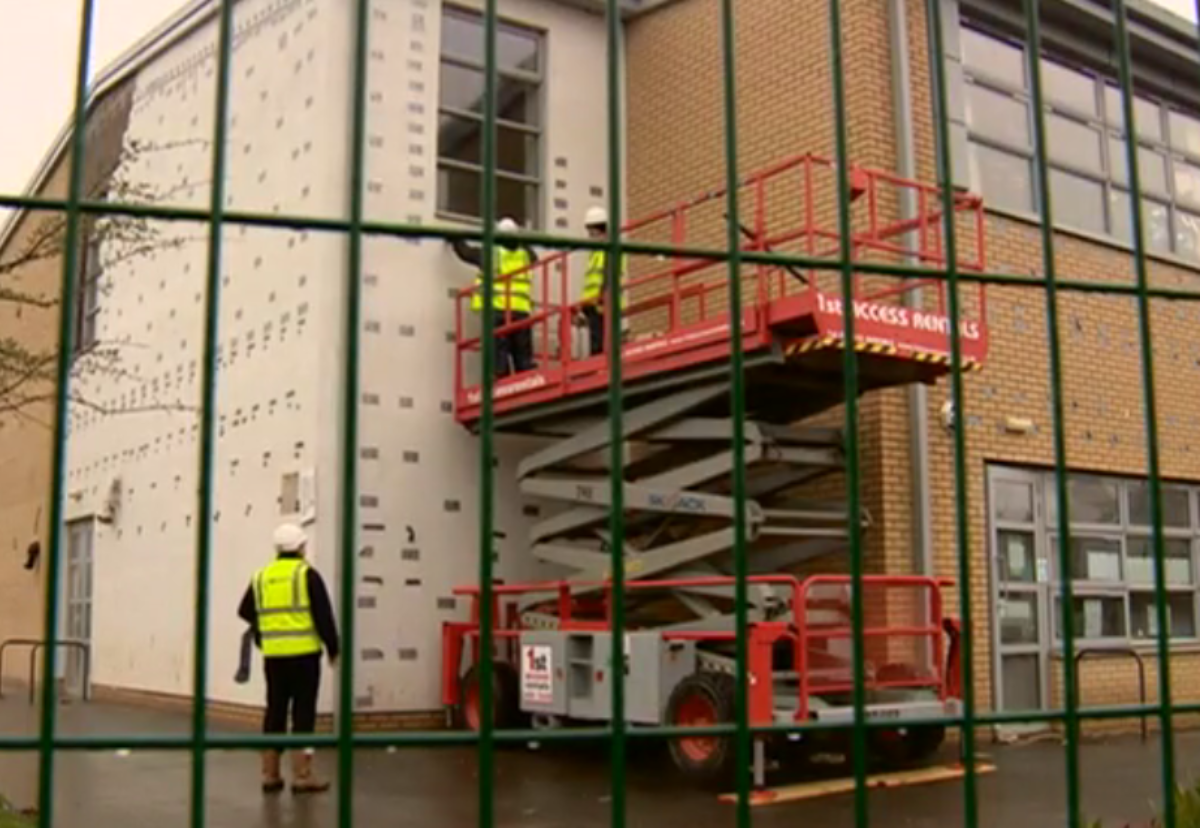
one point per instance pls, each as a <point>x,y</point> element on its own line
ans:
<point>593,279</point>
<point>285,621</point>
<point>515,294</point>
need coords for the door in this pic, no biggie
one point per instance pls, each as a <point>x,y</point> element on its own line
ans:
<point>1020,593</point>
<point>77,603</point>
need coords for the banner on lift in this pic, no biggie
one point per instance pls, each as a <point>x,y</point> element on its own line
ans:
<point>537,666</point>
<point>899,317</point>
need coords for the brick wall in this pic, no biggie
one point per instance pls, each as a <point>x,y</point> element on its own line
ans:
<point>31,264</point>
<point>785,107</point>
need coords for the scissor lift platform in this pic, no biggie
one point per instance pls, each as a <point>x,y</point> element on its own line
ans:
<point>678,471</point>
<point>792,321</point>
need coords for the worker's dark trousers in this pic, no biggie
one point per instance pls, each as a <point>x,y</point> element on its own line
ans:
<point>514,350</point>
<point>292,685</point>
<point>595,324</point>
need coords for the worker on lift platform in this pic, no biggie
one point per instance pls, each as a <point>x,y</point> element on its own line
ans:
<point>288,608</point>
<point>512,299</point>
<point>597,280</point>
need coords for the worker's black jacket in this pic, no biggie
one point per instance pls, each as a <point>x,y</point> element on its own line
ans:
<point>473,254</point>
<point>319,606</point>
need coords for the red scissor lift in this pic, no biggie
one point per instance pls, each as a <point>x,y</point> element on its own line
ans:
<point>552,649</point>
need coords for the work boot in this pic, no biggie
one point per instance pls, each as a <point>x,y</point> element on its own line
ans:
<point>272,780</point>
<point>303,778</point>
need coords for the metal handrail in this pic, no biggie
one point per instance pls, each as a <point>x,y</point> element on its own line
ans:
<point>1129,651</point>
<point>36,644</point>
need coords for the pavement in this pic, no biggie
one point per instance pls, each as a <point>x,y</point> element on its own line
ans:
<point>556,786</point>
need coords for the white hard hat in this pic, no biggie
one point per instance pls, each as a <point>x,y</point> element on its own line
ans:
<point>507,225</point>
<point>289,538</point>
<point>595,216</point>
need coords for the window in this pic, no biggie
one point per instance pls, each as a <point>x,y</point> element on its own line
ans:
<point>519,121</point>
<point>1086,136</point>
<point>1111,559</point>
<point>88,297</point>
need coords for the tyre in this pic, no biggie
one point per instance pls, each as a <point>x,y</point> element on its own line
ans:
<point>506,704</point>
<point>905,745</point>
<point>703,699</point>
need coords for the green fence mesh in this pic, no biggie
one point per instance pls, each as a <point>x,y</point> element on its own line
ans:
<point>48,742</point>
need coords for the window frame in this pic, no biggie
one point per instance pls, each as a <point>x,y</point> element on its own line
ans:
<point>1110,127</point>
<point>1127,589</point>
<point>534,184</point>
<point>87,297</point>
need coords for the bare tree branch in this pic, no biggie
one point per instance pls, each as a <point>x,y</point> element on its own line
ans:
<point>28,374</point>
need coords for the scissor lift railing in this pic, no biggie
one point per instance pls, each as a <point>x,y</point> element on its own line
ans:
<point>803,688</point>
<point>677,308</point>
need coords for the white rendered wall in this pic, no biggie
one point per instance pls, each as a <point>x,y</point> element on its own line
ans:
<point>280,139</point>
<point>419,469</point>
<point>282,345</point>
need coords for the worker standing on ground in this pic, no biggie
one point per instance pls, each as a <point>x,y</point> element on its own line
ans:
<point>289,610</point>
<point>597,280</point>
<point>512,299</point>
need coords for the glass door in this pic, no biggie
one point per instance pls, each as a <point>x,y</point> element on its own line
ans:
<point>1020,579</point>
<point>77,624</point>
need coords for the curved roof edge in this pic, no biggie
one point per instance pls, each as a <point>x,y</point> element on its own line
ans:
<point>182,23</point>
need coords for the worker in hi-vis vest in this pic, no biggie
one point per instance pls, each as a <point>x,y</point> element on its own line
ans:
<point>597,280</point>
<point>289,610</point>
<point>512,299</point>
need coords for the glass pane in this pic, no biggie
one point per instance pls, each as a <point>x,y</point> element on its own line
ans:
<point>1092,559</point>
<point>992,57</point>
<point>1185,132</point>
<point>1093,500</point>
<point>1068,87</point>
<point>459,192</point>
<point>1149,119</point>
<point>462,37</point>
<point>1096,616</point>
<point>1016,557</point>
<point>462,89</point>
<point>1013,501</point>
<point>1181,615</point>
<point>1156,219</point>
<point>1152,166</point>
<point>1187,234</point>
<point>1021,682</point>
<point>460,139</point>
<point>1078,202</point>
<point>1002,178</point>
<point>1175,507</point>
<point>997,116</point>
<point>1073,142</point>
<point>1178,552</point>
<point>1187,182</point>
<point>1018,618</point>
<point>1147,113</point>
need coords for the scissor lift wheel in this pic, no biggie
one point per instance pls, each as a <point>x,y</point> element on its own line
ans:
<point>506,704</point>
<point>905,745</point>
<point>703,699</point>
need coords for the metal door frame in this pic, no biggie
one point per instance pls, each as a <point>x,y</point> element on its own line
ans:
<point>1040,588</point>
<point>84,528</point>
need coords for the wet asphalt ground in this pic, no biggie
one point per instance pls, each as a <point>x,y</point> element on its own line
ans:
<point>556,786</point>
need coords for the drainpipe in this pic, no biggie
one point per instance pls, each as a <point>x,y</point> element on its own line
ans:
<point>906,167</point>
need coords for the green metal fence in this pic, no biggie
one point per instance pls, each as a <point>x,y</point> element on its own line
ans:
<point>48,743</point>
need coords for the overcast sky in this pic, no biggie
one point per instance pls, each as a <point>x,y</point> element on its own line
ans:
<point>38,43</point>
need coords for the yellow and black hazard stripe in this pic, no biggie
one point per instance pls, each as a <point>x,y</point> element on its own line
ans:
<point>968,364</point>
<point>816,344</point>
<point>884,349</point>
<point>875,348</point>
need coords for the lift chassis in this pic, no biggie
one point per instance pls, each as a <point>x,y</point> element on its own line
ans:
<point>799,670</point>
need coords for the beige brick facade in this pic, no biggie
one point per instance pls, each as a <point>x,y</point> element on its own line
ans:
<point>31,267</point>
<point>785,107</point>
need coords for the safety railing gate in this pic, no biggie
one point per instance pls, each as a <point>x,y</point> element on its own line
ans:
<point>80,204</point>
